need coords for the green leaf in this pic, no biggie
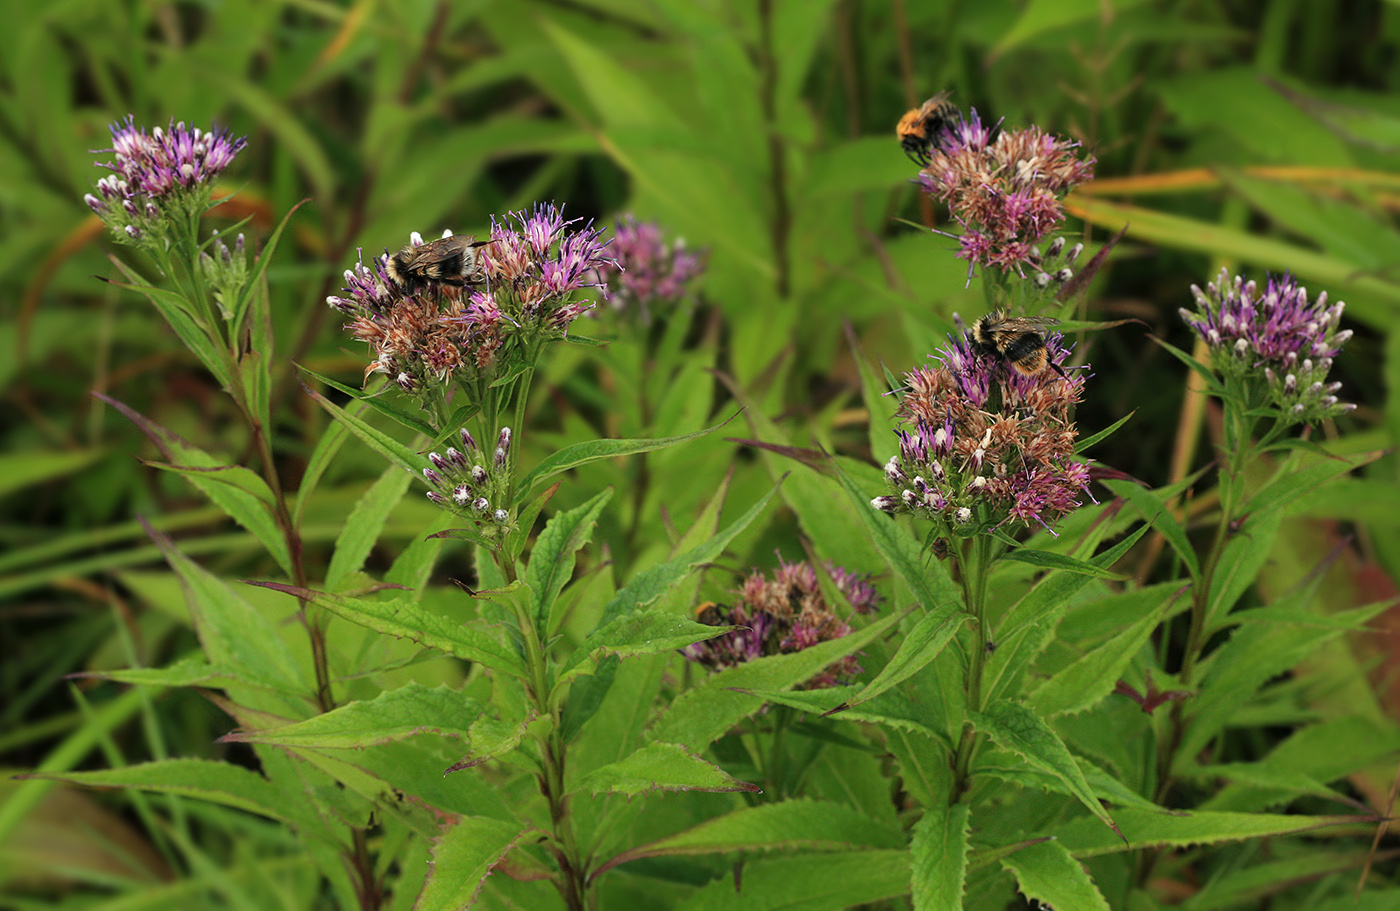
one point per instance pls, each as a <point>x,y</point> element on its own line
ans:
<point>1015,727</point>
<point>376,401</point>
<point>222,783</point>
<point>375,439</point>
<point>1284,490</point>
<point>235,635</point>
<point>241,494</point>
<point>464,857</point>
<point>362,528</point>
<point>1049,873</point>
<point>189,671</point>
<point>920,647</point>
<point>394,715</point>
<point>1259,649</point>
<point>1048,560</point>
<point>1086,442</point>
<point>33,467</point>
<point>1084,837</point>
<point>332,438</point>
<point>1092,677</point>
<point>1156,514</point>
<point>586,697</point>
<point>405,618</point>
<point>815,882</point>
<point>702,714</point>
<point>638,633</point>
<point>552,559</point>
<point>927,579</point>
<point>798,823</point>
<point>652,583</point>
<point>938,858</point>
<point>595,450</point>
<point>660,766</point>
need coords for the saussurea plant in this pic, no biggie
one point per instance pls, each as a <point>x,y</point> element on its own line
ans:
<point>454,360</point>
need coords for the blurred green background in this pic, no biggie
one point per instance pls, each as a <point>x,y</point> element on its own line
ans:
<point>1262,135</point>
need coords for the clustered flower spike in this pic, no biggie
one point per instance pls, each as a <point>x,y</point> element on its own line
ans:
<point>531,266</point>
<point>226,270</point>
<point>1275,335</point>
<point>471,484</point>
<point>783,614</point>
<point>648,271</point>
<point>157,175</point>
<point>985,446</point>
<point>1003,190</point>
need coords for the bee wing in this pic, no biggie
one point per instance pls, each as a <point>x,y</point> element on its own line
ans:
<point>1031,323</point>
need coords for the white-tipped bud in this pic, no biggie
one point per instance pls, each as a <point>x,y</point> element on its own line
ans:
<point>1042,280</point>
<point>501,516</point>
<point>1075,251</point>
<point>438,462</point>
<point>963,515</point>
<point>1064,275</point>
<point>468,440</point>
<point>462,494</point>
<point>1055,247</point>
<point>455,457</point>
<point>479,474</point>
<point>432,476</point>
<point>481,504</point>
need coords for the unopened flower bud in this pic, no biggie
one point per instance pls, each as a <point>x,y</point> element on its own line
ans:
<point>479,474</point>
<point>462,493</point>
<point>502,517</point>
<point>962,516</point>
<point>885,504</point>
<point>438,462</point>
<point>481,505</point>
<point>503,447</point>
<point>468,440</point>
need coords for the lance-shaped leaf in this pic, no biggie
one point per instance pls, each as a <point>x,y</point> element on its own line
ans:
<point>217,782</point>
<point>407,619</point>
<point>595,450</point>
<point>192,670</point>
<point>812,882</point>
<point>361,529</point>
<point>373,400</point>
<point>893,711</point>
<point>700,715</point>
<point>639,633</point>
<point>490,737</point>
<point>464,857</point>
<point>1092,677</point>
<point>370,435</point>
<point>240,493</point>
<point>660,767</point>
<point>927,578</point>
<point>1045,559</point>
<point>1084,837</point>
<point>808,824</point>
<point>652,583</point>
<point>552,559</point>
<point>393,715</point>
<point>235,635</point>
<point>1015,727</point>
<point>1049,873</point>
<point>920,647</point>
<point>938,858</point>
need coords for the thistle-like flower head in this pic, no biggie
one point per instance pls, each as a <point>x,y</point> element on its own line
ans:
<point>782,613</point>
<point>648,272</point>
<point>1276,338</point>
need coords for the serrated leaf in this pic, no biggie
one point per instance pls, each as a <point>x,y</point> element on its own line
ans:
<point>922,644</point>
<point>216,782</point>
<point>1093,676</point>
<point>652,583</point>
<point>799,823</point>
<point>638,633</point>
<point>595,450</point>
<point>938,858</point>
<point>1156,514</point>
<point>1015,727</point>
<point>1063,562</point>
<point>192,670</point>
<point>407,619</point>
<point>1049,873</point>
<point>660,766</point>
<point>1084,837</point>
<point>816,882</point>
<point>552,559</point>
<point>372,437</point>
<point>702,714</point>
<point>464,857</point>
<point>394,715</point>
<point>362,527</point>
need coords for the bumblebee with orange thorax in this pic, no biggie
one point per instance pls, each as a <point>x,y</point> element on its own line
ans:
<point>919,128</point>
<point>1015,340</point>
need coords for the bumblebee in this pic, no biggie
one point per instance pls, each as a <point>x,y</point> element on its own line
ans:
<point>918,129</point>
<point>710,614</point>
<point>1014,340</point>
<point>450,260</point>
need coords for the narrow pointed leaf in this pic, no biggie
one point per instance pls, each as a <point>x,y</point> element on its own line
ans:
<point>938,858</point>
<point>660,767</point>
<point>361,530</point>
<point>1049,873</point>
<point>552,558</point>
<point>464,857</point>
<point>394,715</point>
<point>920,647</point>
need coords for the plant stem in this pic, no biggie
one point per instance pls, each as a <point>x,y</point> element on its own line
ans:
<point>977,558</point>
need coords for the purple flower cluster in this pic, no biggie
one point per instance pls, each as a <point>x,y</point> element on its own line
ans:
<point>1277,334</point>
<point>1003,190</point>
<point>784,614</point>
<point>472,484</point>
<point>151,171</point>
<point>532,265</point>
<point>648,271</point>
<point>969,468</point>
